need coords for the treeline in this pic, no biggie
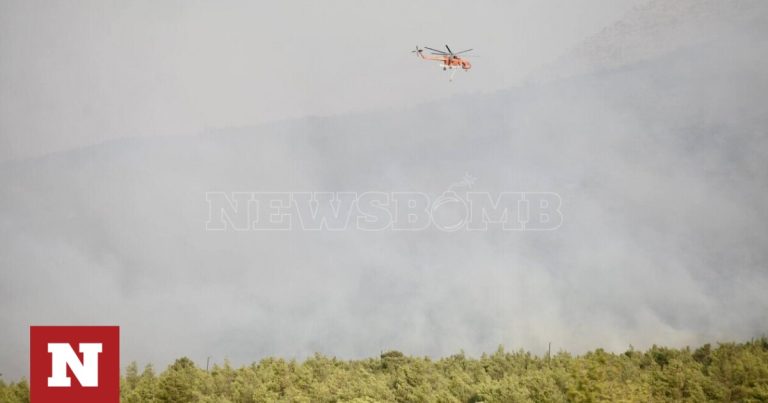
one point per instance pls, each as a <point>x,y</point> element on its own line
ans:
<point>730,372</point>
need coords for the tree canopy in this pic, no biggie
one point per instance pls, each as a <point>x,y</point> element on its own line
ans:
<point>728,372</point>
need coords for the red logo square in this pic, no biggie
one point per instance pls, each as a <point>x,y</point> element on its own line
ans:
<point>77,364</point>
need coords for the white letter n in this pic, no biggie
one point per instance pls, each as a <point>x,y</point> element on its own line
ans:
<point>86,372</point>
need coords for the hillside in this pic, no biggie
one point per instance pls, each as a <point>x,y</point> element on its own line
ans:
<point>659,28</point>
<point>660,163</point>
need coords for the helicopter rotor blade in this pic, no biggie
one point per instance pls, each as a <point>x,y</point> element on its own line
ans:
<point>449,49</point>
<point>435,50</point>
<point>463,51</point>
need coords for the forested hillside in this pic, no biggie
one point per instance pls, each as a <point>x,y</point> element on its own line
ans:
<point>658,156</point>
<point>729,372</point>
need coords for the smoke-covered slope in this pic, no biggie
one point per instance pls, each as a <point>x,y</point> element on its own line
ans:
<point>658,28</point>
<point>660,165</point>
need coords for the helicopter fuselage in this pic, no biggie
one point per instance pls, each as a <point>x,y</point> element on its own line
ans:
<point>449,62</point>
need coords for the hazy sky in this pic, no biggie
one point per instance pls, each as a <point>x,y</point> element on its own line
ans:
<point>82,72</point>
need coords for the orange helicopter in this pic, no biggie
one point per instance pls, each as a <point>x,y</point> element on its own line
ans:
<point>449,60</point>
